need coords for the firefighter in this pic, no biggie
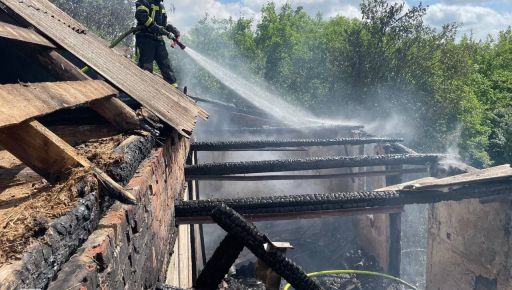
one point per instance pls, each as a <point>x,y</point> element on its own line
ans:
<point>150,41</point>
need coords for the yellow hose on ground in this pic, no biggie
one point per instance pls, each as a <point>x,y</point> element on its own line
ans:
<point>334,272</point>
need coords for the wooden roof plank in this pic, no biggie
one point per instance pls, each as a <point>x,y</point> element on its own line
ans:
<point>14,32</point>
<point>20,102</point>
<point>168,103</point>
<point>485,175</point>
<point>497,173</point>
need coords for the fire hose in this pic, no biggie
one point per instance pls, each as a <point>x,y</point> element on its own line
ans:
<point>134,30</point>
<point>359,272</point>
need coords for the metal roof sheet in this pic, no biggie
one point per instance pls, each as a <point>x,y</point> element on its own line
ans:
<point>20,102</point>
<point>168,103</point>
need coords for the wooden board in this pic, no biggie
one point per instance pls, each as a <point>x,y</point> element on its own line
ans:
<point>14,32</point>
<point>502,172</point>
<point>39,149</point>
<point>51,157</point>
<point>168,103</point>
<point>20,102</point>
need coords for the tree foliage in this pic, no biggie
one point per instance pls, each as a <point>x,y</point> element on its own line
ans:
<point>452,93</point>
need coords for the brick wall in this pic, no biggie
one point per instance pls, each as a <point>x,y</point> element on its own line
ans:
<point>132,245</point>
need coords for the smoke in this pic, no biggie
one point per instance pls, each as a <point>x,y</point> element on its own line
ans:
<point>320,243</point>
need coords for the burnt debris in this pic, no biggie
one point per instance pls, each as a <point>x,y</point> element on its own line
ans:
<point>310,164</point>
<point>262,144</point>
<point>248,234</point>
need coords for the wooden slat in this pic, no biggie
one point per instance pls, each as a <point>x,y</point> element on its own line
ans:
<point>51,157</point>
<point>14,32</point>
<point>20,102</point>
<point>112,109</point>
<point>168,103</point>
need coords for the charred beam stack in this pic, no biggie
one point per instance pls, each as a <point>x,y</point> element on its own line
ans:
<point>310,164</point>
<point>262,144</point>
<point>188,211</point>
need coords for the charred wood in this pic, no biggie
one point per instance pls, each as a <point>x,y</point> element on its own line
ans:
<point>305,176</point>
<point>262,144</point>
<point>248,234</point>
<point>289,130</point>
<point>219,264</point>
<point>338,201</point>
<point>309,164</point>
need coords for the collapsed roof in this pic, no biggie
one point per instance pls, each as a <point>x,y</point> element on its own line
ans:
<point>53,25</point>
<point>43,51</point>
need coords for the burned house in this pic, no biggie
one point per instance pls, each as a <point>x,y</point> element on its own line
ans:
<point>101,184</point>
<point>84,174</point>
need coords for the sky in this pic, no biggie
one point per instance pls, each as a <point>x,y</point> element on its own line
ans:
<point>479,17</point>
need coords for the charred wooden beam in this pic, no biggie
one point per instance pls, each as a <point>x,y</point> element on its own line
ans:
<point>265,144</point>
<point>219,264</point>
<point>297,215</point>
<point>309,164</point>
<point>248,234</point>
<point>288,130</point>
<point>297,149</point>
<point>14,32</point>
<point>290,206</point>
<point>305,176</point>
<point>51,157</point>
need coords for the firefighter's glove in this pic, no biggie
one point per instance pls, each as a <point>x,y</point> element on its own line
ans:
<point>173,30</point>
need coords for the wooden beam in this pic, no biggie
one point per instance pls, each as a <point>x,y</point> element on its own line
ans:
<point>395,222</point>
<point>20,102</point>
<point>51,157</point>
<point>296,215</point>
<point>14,32</point>
<point>112,109</point>
<point>306,176</point>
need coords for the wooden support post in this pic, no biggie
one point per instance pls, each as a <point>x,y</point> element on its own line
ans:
<point>112,109</point>
<point>395,227</point>
<point>196,231</point>
<point>395,244</point>
<point>50,156</point>
<point>264,273</point>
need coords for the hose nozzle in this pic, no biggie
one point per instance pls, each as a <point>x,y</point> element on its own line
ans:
<point>175,42</point>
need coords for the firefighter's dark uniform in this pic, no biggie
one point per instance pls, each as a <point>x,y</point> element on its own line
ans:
<point>150,42</point>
